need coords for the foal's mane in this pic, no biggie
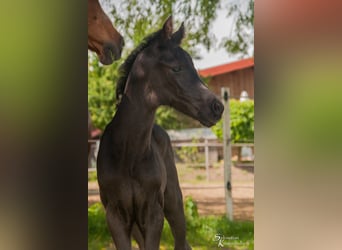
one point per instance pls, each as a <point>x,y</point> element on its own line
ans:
<point>126,67</point>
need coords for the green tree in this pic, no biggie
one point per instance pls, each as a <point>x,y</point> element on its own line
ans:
<point>241,39</point>
<point>137,18</point>
<point>101,91</point>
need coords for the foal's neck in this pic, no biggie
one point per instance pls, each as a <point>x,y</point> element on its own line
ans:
<point>136,120</point>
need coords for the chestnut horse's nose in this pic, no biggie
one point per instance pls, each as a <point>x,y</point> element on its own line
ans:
<point>217,108</point>
<point>122,44</point>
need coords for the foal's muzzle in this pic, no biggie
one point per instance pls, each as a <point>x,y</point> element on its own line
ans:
<point>217,109</point>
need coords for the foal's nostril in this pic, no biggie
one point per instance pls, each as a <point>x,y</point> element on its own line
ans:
<point>217,108</point>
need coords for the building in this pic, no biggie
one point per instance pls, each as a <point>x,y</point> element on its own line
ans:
<point>237,76</point>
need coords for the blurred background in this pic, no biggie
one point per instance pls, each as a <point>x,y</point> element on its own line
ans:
<point>44,102</point>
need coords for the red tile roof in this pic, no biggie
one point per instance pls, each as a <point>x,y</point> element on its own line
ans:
<point>228,67</point>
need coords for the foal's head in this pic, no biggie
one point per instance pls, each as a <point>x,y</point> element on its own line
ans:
<point>103,38</point>
<point>166,75</point>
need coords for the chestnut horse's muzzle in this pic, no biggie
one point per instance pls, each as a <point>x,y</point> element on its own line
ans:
<point>112,52</point>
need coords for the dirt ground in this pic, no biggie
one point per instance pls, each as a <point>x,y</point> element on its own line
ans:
<point>209,194</point>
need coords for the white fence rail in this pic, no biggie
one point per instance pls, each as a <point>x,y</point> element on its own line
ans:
<point>176,145</point>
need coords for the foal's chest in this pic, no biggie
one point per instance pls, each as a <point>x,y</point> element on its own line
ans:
<point>150,170</point>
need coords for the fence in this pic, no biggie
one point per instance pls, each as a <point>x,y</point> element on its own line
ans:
<point>239,158</point>
<point>94,148</point>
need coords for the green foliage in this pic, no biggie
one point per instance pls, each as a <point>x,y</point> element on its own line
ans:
<point>138,18</point>
<point>191,212</point>
<point>190,154</point>
<point>241,122</point>
<point>92,176</point>
<point>167,118</point>
<point>98,234</point>
<point>242,39</point>
<point>218,130</point>
<point>101,91</point>
<point>201,231</point>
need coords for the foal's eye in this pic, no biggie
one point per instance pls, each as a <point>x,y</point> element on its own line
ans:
<point>176,69</point>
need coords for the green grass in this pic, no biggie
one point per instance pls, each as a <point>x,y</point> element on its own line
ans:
<point>98,234</point>
<point>92,176</point>
<point>201,231</point>
<point>200,177</point>
<point>186,174</point>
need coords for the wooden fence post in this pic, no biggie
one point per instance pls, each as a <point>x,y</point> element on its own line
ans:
<point>227,151</point>
<point>206,150</point>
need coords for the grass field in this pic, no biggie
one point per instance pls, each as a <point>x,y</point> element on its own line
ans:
<point>202,232</point>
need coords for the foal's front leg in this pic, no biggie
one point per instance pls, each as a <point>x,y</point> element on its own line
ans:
<point>139,238</point>
<point>173,205</point>
<point>153,226</point>
<point>174,214</point>
<point>119,228</point>
<point>173,201</point>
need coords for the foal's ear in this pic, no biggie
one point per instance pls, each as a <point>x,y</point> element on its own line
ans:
<point>167,28</point>
<point>179,34</point>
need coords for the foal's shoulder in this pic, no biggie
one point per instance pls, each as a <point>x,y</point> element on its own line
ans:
<point>161,137</point>
<point>159,132</point>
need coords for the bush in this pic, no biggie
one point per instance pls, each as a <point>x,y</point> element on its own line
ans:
<point>202,231</point>
<point>98,233</point>
<point>190,154</point>
<point>101,92</point>
<point>241,122</point>
<point>191,213</point>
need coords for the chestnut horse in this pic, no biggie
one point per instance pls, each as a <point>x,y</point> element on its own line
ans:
<point>104,40</point>
<point>135,166</point>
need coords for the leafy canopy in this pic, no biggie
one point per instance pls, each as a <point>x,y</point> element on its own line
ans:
<point>241,39</point>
